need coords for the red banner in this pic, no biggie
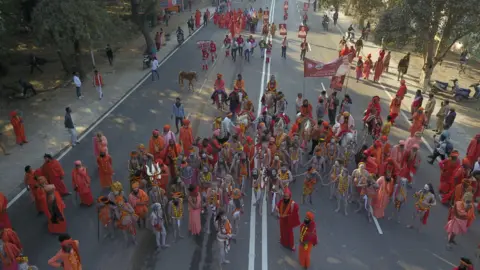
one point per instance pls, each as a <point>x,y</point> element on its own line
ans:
<point>318,69</point>
<point>283,29</point>
<point>337,83</point>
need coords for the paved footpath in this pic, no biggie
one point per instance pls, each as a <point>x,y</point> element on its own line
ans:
<point>44,114</point>
<point>465,126</point>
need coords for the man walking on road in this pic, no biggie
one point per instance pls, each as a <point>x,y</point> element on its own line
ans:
<point>98,83</point>
<point>429,109</point>
<point>179,112</point>
<point>78,85</point>
<point>155,66</point>
<point>303,49</point>
<point>70,127</point>
<point>109,52</point>
<point>442,112</point>
<point>332,105</point>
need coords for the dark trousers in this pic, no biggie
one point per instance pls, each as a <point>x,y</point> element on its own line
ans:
<point>284,52</point>
<point>33,67</point>
<point>435,155</point>
<point>178,120</point>
<point>156,73</point>
<point>29,87</point>
<point>302,54</point>
<point>331,116</point>
<point>247,55</point>
<point>240,51</point>
<point>79,92</point>
<point>110,59</point>
<point>234,54</point>
<point>314,144</point>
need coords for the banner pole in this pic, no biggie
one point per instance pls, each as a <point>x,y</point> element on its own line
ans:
<point>346,81</point>
<point>304,87</point>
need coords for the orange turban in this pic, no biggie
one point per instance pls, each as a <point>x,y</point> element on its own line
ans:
<point>166,128</point>
<point>186,122</point>
<point>135,185</point>
<point>310,215</point>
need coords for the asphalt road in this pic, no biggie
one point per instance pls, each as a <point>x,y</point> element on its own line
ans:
<point>344,242</point>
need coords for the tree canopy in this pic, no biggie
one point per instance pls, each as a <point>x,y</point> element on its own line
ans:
<point>69,24</point>
<point>433,26</point>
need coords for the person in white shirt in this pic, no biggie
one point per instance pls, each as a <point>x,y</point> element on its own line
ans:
<point>155,66</point>
<point>78,85</point>
<point>226,128</point>
<point>299,102</point>
<point>248,49</point>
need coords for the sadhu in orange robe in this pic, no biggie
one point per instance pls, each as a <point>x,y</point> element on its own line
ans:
<point>156,145</point>
<point>54,173</point>
<point>81,183</point>
<point>105,170</point>
<point>4,219</point>
<point>308,239</point>
<point>186,137</point>
<point>418,122</point>
<point>170,156</point>
<point>30,180</point>
<point>18,128</point>
<point>55,211</point>
<point>138,199</point>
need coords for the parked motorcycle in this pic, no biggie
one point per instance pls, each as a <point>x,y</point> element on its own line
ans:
<point>147,61</point>
<point>443,86</point>
<point>461,94</point>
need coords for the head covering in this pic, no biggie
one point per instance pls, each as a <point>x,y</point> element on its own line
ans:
<point>186,122</point>
<point>378,143</point>
<point>135,185</point>
<point>454,153</point>
<point>421,109</point>
<point>466,162</point>
<point>156,132</point>
<point>13,113</point>
<point>325,124</point>
<point>102,200</point>
<point>78,163</point>
<point>384,138</point>
<point>249,139</point>
<point>369,56</point>
<point>133,153</point>
<point>287,192</point>
<point>219,75</point>
<point>166,128</point>
<point>141,146</point>
<point>402,82</point>
<point>346,114</point>
<point>310,215</point>
<point>401,142</point>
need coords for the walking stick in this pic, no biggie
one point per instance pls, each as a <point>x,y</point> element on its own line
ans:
<point>98,224</point>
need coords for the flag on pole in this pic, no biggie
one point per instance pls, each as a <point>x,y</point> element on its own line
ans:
<point>313,68</point>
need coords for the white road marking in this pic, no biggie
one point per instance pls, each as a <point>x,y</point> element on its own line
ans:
<point>109,111</point>
<point>323,87</point>
<point>443,260</point>
<point>379,229</point>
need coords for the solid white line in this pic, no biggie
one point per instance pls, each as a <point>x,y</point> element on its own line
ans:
<point>264,234</point>
<point>443,260</point>
<point>251,245</point>
<point>375,220</point>
<point>323,87</point>
<point>109,111</point>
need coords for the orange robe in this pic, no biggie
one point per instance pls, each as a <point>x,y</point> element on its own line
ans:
<point>32,185</point>
<point>309,240</point>
<point>186,139</point>
<point>139,202</point>
<point>306,111</point>
<point>4,219</point>
<point>9,255</point>
<point>155,147</point>
<point>249,151</point>
<point>417,124</point>
<point>11,236</point>
<point>59,224</point>
<point>105,170</point>
<point>81,183</point>
<point>169,155</point>
<point>54,173</point>
<point>163,182</point>
<point>18,129</point>
<point>70,260</point>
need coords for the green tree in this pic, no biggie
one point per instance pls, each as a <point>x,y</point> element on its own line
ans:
<point>433,26</point>
<point>71,25</point>
<point>145,12</point>
<point>366,9</point>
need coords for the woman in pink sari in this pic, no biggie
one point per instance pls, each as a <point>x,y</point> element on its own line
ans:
<point>100,144</point>
<point>194,210</point>
<point>380,202</point>
<point>378,69</point>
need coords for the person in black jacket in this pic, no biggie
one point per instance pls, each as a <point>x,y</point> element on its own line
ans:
<point>70,127</point>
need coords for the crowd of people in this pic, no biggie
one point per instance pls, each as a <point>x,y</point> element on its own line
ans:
<point>211,174</point>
